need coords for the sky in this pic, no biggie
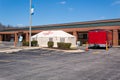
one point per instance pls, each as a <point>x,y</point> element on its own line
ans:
<point>16,12</point>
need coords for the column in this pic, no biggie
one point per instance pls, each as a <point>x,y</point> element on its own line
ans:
<point>27,37</point>
<point>16,39</point>
<point>75,34</point>
<point>115,37</point>
<point>0,37</point>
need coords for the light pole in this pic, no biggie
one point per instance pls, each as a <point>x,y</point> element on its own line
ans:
<point>30,24</point>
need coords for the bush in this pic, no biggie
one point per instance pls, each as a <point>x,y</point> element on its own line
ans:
<point>25,43</point>
<point>50,44</point>
<point>34,43</point>
<point>62,45</point>
<point>59,45</point>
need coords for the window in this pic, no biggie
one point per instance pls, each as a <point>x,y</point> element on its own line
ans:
<point>50,39</point>
<point>82,36</point>
<point>62,39</point>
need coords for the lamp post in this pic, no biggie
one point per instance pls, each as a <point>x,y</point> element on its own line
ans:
<point>30,24</point>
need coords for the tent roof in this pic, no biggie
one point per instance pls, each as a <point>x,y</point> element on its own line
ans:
<point>53,33</point>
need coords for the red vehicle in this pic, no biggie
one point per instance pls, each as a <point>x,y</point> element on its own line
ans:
<point>99,37</point>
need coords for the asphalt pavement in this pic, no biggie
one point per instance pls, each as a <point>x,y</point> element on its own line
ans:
<point>48,64</point>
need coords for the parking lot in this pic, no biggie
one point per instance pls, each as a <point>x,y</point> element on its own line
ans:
<point>44,64</point>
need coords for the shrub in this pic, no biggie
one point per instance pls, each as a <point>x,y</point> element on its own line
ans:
<point>59,45</point>
<point>62,45</point>
<point>50,44</point>
<point>67,45</point>
<point>34,43</point>
<point>25,43</point>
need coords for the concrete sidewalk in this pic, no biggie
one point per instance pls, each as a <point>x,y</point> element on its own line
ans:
<point>17,49</point>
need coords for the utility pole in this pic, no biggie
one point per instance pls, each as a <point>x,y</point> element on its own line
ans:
<point>30,24</point>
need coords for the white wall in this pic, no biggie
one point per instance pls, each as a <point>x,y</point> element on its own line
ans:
<point>42,41</point>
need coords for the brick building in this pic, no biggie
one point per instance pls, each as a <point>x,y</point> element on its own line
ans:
<point>78,29</point>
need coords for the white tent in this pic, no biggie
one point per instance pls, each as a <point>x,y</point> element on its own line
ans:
<point>55,36</point>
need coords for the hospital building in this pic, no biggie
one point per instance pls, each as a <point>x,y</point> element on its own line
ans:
<point>78,29</point>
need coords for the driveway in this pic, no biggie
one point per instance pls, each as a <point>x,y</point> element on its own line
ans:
<point>44,64</point>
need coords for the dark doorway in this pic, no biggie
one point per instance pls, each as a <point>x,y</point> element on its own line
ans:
<point>82,37</point>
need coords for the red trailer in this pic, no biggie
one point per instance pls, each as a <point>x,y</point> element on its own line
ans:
<point>99,37</point>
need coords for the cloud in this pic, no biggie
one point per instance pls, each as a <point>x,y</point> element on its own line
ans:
<point>116,2</point>
<point>102,17</point>
<point>62,2</point>
<point>19,25</point>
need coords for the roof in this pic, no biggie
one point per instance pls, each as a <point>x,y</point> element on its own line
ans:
<point>97,23</point>
<point>53,33</point>
<point>100,30</point>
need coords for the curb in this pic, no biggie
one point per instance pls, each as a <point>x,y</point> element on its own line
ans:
<point>9,50</point>
<point>77,50</point>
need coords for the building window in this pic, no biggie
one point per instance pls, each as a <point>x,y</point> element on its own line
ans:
<point>83,36</point>
<point>50,39</point>
<point>62,39</point>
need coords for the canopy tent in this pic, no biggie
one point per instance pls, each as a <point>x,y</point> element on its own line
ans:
<point>55,36</point>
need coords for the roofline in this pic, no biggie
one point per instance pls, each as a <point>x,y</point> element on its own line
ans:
<point>99,30</point>
<point>71,23</point>
<point>84,22</point>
